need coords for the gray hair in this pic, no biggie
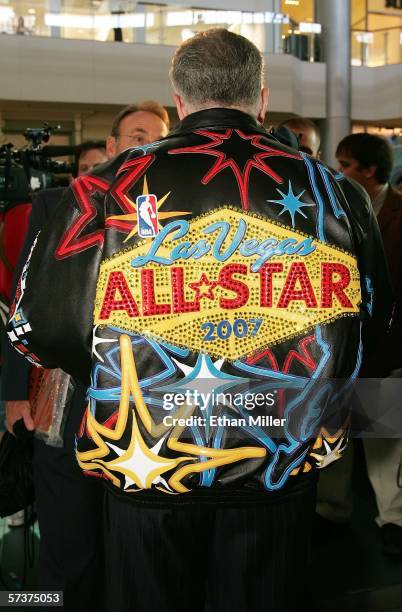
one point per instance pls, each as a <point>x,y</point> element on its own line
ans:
<point>149,106</point>
<point>217,66</point>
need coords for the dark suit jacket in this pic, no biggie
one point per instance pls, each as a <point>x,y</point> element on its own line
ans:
<point>16,369</point>
<point>387,356</point>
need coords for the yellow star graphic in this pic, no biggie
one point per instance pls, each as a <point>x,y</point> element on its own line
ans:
<point>139,463</point>
<point>147,462</point>
<point>161,215</point>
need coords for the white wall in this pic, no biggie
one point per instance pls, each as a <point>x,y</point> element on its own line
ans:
<point>57,70</point>
<point>377,93</point>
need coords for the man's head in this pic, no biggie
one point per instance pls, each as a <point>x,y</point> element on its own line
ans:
<point>217,68</point>
<point>307,132</point>
<point>396,178</point>
<point>88,155</point>
<point>366,158</point>
<point>137,125</point>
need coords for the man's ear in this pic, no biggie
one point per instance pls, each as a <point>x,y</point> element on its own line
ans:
<point>111,147</point>
<point>370,171</point>
<point>263,104</point>
<point>181,107</point>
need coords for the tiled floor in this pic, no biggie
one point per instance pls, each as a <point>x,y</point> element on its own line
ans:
<point>12,546</point>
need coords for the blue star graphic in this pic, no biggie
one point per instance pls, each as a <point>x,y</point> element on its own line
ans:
<point>205,377</point>
<point>291,203</point>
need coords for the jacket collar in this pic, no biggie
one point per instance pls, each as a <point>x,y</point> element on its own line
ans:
<point>219,118</point>
<point>391,207</point>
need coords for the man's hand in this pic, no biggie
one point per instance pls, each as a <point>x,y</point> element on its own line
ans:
<point>18,410</point>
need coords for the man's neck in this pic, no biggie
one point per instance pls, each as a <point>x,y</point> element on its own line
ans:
<point>212,105</point>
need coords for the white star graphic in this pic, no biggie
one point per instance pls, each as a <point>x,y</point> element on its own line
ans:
<point>331,455</point>
<point>137,462</point>
<point>96,340</point>
<point>204,370</point>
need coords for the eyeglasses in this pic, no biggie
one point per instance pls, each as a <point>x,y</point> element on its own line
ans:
<point>134,138</point>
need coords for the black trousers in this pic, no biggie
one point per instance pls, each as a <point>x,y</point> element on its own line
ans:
<point>250,558</point>
<point>69,507</point>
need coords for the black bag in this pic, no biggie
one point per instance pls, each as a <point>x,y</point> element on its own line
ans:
<point>16,475</point>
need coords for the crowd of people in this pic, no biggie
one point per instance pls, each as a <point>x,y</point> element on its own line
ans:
<point>254,261</point>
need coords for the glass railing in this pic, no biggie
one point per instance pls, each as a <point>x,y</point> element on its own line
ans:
<point>161,24</point>
<point>377,48</point>
<point>135,22</point>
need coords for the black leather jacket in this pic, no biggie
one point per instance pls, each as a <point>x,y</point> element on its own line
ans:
<point>221,280</point>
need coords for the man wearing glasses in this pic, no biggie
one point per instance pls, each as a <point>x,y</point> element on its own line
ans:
<point>137,125</point>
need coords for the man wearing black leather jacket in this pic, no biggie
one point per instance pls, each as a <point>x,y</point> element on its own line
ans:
<point>211,290</point>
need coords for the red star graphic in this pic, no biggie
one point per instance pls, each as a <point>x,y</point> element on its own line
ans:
<point>74,240</point>
<point>204,288</point>
<point>132,170</point>
<point>303,356</point>
<point>242,175</point>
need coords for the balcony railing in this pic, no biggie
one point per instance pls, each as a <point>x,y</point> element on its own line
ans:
<point>133,22</point>
<point>377,48</point>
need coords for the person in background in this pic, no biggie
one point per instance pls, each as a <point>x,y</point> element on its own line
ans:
<point>68,505</point>
<point>307,132</point>
<point>89,155</point>
<point>334,491</point>
<point>137,125</point>
<point>396,177</point>
<point>367,159</point>
<point>21,28</point>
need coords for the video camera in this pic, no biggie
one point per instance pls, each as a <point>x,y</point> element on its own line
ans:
<point>29,169</point>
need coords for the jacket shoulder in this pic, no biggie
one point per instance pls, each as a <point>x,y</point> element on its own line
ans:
<point>46,201</point>
<point>394,197</point>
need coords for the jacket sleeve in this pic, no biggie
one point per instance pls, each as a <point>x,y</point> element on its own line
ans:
<point>52,314</point>
<point>377,294</point>
<point>15,369</point>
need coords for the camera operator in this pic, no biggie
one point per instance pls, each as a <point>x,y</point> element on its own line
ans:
<point>88,155</point>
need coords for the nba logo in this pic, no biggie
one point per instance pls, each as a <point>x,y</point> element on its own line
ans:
<point>147,215</point>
